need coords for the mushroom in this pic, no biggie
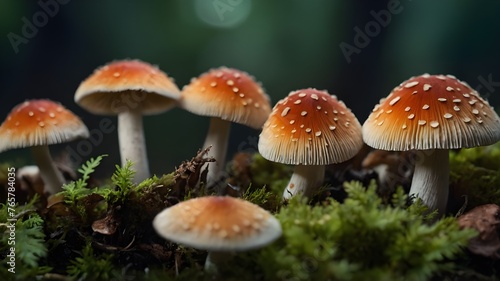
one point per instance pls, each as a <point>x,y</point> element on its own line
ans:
<point>221,225</point>
<point>129,89</point>
<point>38,124</point>
<point>226,95</point>
<point>431,114</point>
<point>392,169</point>
<point>310,129</point>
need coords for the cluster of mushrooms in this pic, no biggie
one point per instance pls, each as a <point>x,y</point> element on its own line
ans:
<point>308,129</point>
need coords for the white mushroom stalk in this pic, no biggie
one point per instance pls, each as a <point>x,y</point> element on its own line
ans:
<point>217,259</point>
<point>217,137</point>
<point>430,179</point>
<point>305,181</point>
<point>132,143</point>
<point>51,176</point>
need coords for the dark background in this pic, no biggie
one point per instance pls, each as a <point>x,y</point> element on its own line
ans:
<point>287,45</point>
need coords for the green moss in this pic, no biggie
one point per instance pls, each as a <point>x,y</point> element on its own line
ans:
<point>271,174</point>
<point>266,199</point>
<point>475,173</point>
<point>89,266</point>
<point>360,239</point>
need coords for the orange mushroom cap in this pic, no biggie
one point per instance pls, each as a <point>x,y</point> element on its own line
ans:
<point>101,92</point>
<point>229,94</point>
<point>40,122</point>
<point>431,112</point>
<point>218,223</point>
<point>310,127</point>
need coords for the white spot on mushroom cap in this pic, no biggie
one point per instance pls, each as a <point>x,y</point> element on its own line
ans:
<point>411,84</point>
<point>285,111</point>
<point>427,87</point>
<point>394,100</point>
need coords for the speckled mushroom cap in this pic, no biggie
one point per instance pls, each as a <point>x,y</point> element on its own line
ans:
<point>120,85</point>
<point>218,223</point>
<point>229,94</point>
<point>310,127</point>
<point>40,122</point>
<point>431,112</point>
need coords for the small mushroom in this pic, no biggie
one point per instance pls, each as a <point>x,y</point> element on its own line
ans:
<point>129,89</point>
<point>38,124</point>
<point>226,95</point>
<point>431,114</point>
<point>219,224</point>
<point>310,129</point>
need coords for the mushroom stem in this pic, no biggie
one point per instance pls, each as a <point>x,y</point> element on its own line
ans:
<point>132,143</point>
<point>431,178</point>
<point>216,259</point>
<point>305,180</point>
<point>52,178</point>
<point>217,137</point>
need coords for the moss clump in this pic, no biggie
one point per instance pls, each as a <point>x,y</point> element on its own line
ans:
<point>271,174</point>
<point>360,239</point>
<point>475,173</point>
<point>89,266</point>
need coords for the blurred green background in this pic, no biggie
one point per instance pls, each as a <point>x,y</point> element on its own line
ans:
<point>286,44</point>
